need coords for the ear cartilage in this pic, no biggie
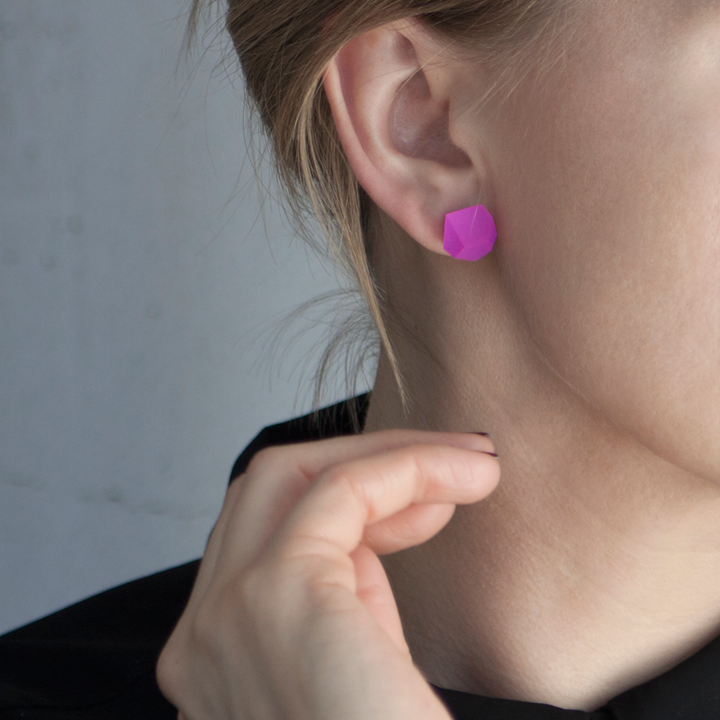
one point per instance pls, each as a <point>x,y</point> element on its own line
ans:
<point>470,233</point>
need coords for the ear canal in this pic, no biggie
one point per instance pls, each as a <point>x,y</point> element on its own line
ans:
<point>470,233</point>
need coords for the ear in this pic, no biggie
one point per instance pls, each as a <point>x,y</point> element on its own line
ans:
<point>399,103</point>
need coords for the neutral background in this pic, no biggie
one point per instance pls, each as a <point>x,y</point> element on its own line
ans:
<point>141,288</point>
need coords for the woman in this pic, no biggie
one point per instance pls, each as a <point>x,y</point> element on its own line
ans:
<point>587,343</point>
<point>392,574</point>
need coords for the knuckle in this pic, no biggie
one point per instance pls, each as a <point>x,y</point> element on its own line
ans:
<point>342,478</point>
<point>248,595</point>
<point>266,461</point>
<point>410,459</point>
<point>400,462</point>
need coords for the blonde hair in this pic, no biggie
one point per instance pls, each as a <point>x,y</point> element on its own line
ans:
<point>284,47</point>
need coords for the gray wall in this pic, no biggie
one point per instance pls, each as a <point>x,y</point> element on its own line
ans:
<point>139,288</point>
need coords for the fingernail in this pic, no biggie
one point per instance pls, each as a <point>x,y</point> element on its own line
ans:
<point>483,434</point>
<point>485,452</point>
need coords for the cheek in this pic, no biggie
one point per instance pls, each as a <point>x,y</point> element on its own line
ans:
<point>611,258</point>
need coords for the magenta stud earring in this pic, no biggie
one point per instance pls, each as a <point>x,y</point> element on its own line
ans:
<point>470,233</point>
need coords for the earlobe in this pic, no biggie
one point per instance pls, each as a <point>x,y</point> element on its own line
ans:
<point>392,96</point>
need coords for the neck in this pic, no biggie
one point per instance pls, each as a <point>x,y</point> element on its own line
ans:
<point>591,569</point>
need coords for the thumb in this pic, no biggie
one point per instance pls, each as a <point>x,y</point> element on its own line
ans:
<point>373,590</point>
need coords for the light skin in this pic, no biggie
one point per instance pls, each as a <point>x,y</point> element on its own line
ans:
<point>587,343</point>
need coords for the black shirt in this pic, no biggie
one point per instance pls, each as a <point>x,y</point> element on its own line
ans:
<point>96,659</point>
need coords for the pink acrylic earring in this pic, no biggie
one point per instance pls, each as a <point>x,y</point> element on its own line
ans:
<point>470,233</point>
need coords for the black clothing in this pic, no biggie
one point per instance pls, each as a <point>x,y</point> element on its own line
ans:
<point>96,659</point>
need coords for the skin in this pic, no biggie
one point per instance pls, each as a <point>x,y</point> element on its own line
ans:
<point>291,615</point>
<point>587,343</point>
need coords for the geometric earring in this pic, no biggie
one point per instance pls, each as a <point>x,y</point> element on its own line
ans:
<point>469,233</point>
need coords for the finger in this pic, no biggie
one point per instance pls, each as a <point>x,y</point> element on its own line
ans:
<point>313,457</point>
<point>414,525</point>
<point>278,477</point>
<point>373,590</point>
<point>258,500</point>
<point>333,514</point>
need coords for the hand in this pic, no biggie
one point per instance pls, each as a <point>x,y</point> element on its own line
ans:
<point>292,616</point>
